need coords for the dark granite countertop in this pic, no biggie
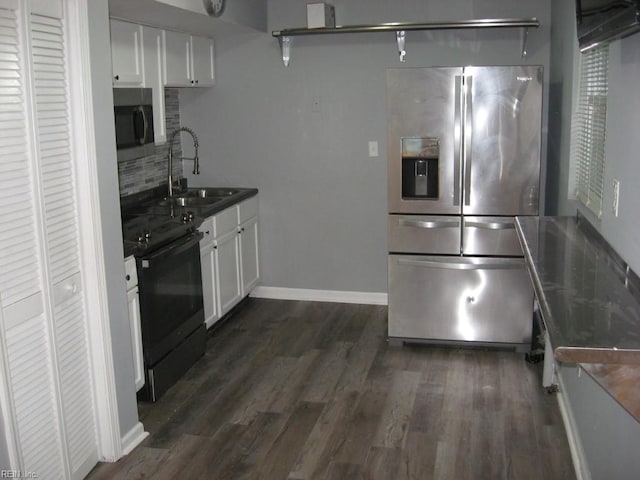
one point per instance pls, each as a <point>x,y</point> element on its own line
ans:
<point>588,296</point>
<point>149,203</point>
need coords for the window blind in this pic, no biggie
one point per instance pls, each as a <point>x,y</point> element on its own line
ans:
<point>589,128</point>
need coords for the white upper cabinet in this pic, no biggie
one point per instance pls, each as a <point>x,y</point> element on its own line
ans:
<point>177,68</point>
<point>153,78</point>
<point>127,57</point>
<point>188,60</point>
<point>202,61</point>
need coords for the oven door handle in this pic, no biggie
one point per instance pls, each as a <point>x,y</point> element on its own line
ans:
<point>174,248</point>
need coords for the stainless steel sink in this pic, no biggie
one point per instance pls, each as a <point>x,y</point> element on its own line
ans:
<point>211,192</point>
<point>190,201</point>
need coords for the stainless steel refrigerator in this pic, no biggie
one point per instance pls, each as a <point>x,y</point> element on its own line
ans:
<point>464,159</point>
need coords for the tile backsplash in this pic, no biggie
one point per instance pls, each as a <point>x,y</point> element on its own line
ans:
<point>147,172</point>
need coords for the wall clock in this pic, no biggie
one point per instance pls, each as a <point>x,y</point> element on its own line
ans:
<point>214,7</point>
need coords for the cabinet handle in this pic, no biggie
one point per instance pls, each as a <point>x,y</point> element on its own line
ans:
<point>117,77</point>
<point>128,277</point>
<point>196,81</point>
<point>192,82</point>
<point>207,232</point>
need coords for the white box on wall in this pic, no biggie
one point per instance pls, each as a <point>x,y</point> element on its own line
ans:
<point>320,15</point>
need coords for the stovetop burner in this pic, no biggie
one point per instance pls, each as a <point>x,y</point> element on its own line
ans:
<point>149,228</point>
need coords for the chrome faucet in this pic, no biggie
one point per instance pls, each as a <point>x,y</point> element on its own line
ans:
<point>196,160</point>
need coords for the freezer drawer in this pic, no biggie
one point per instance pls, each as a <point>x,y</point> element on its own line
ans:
<point>490,236</point>
<point>484,300</point>
<point>424,234</point>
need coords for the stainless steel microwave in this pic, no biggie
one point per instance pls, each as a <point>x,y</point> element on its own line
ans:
<point>134,122</point>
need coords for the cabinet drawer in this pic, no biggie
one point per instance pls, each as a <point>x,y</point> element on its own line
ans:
<point>207,229</point>
<point>247,209</point>
<point>130,272</point>
<point>225,221</point>
<point>424,234</point>
<point>490,236</point>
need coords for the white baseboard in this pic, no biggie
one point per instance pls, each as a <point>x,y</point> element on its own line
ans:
<point>575,445</point>
<point>336,296</point>
<point>133,438</point>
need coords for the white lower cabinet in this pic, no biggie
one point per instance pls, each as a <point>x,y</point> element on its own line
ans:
<point>249,255</point>
<point>209,277</point>
<point>229,258</point>
<point>134,320</point>
<point>227,263</point>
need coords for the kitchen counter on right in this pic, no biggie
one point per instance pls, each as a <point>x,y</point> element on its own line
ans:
<point>589,301</point>
<point>589,297</point>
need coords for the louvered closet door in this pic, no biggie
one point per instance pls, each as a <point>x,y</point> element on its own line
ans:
<point>28,348</point>
<point>44,322</point>
<point>53,140</point>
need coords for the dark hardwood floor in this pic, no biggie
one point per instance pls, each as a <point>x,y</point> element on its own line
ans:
<point>305,390</point>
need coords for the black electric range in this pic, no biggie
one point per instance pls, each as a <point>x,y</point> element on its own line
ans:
<point>165,242</point>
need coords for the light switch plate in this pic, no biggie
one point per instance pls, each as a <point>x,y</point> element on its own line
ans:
<point>373,148</point>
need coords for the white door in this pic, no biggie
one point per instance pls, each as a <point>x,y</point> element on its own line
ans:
<point>208,263</point>
<point>249,255</point>
<point>202,56</point>
<point>228,271</point>
<point>126,54</point>
<point>177,59</point>
<point>44,323</point>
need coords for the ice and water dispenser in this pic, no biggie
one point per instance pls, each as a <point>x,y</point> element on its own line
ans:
<point>420,168</point>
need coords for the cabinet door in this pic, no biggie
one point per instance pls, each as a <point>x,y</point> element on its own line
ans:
<point>202,65</point>
<point>126,54</point>
<point>136,336</point>
<point>153,78</point>
<point>208,263</point>
<point>249,255</point>
<point>228,271</point>
<point>177,59</point>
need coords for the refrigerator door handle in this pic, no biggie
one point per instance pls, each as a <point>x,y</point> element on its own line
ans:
<point>468,131</point>
<point>494,264</point>
<point>491,225</point>
<point>429,224</point>
<point>457,140</point>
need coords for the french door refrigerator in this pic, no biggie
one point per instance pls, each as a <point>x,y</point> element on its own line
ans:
<point>464,159</point>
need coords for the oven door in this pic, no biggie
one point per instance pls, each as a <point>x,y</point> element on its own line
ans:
<point>170,285</point>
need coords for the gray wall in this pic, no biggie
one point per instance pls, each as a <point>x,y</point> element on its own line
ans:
<point>563,53</point>
<point>110,212</point>
<point>323,201</point>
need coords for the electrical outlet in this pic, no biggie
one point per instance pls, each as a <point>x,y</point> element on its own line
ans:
<point>616,197</point>
<point>373,148</point>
